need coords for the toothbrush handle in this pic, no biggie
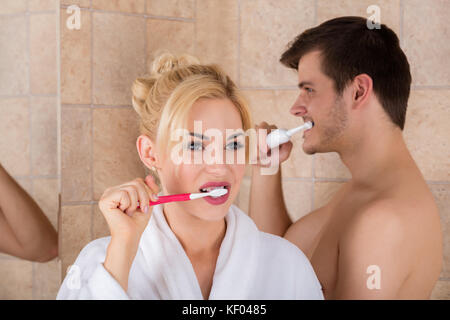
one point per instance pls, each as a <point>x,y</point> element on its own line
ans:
<point>171,198</point>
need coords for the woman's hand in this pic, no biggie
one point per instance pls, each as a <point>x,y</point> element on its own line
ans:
<point>119,206</point>
<point>126,223</point>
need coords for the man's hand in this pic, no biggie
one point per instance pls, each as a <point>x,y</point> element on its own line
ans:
<point>267,208</point>
<point>264,156</point>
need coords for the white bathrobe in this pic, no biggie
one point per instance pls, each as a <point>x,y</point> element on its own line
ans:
<point>251,265</point>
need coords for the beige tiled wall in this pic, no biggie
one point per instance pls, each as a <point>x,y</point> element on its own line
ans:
<point>29,130</point>
<point>117,42</point>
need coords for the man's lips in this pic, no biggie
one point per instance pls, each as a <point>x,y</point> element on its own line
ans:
<point>308,130</point>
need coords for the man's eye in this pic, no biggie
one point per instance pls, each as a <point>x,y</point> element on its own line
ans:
<point>309,90</point>
<point>195,146</point>
<point>234,145</point>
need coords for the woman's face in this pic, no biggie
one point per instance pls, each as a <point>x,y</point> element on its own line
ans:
<point>213,140</point>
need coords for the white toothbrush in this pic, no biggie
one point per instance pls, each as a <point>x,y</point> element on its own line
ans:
<point>280,136</point>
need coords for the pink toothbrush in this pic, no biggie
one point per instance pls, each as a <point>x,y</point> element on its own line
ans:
<point>189,196</point>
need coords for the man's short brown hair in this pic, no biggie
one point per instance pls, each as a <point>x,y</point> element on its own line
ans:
<point>349,48</point>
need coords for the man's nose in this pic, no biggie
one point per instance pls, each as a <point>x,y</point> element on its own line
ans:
<point>299,107</point>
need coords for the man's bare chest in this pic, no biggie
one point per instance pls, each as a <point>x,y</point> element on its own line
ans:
<point>324,255</point>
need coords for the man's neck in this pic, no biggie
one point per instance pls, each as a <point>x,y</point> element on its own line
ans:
<point>378,158</point>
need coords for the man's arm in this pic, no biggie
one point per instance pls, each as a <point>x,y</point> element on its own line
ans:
<point>25,231</point>
<point>267,207</point>
<point>374,256</point>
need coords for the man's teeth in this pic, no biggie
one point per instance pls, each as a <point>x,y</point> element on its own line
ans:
<point>212,188</point>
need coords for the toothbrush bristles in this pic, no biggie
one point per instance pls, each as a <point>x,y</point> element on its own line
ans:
<point>218,192</point>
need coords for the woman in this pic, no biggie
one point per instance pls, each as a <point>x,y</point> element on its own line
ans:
<point>198,249</point>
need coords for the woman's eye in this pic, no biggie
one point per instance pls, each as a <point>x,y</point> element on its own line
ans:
<point>234,145</point>
<point>195,146</point>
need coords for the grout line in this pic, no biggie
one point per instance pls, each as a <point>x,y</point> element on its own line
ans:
<point>91,146</point>
<point>30,132</point>
<point>238,75</point>
<point>78,203</point>
<point>437,182</point>
<point>36,177</point>
<point>102,106</point>
<point>96,106</point>
<point>30,109</point>
<point>429,87</point>
<point>271,88</point>
<point>65,105</point>
<point>33,280</point>
<point>58,109</point>
<point>413,87</point>
<point>401,23</point>
<point>92,223</point>
<point>146,62</point>
<point>142,15</point>
<point>195,29</point>
<point>315,12</point>
<point>25,12</point>
<point>8,96</point>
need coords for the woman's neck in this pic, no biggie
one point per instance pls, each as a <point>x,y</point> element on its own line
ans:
<point>197,236</point>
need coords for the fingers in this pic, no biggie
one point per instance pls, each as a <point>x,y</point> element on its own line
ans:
<point>129,199</point>
<point>129,196</point>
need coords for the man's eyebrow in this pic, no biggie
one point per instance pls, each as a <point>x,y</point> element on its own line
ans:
<point>304,83</point>
<point>235,135</point>
<point>198,135</point>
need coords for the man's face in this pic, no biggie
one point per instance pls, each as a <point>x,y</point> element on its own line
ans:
<point>318,102</point>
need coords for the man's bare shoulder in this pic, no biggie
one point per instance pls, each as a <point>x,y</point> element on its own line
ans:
<point>396,214</point>
<point>407,231</point>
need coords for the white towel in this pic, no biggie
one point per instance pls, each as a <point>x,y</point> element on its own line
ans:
<point>251,265</point>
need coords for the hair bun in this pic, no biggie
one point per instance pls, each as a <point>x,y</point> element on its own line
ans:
<point>168,61</point>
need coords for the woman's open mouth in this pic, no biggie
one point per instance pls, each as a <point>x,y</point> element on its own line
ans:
<point>207,187</point>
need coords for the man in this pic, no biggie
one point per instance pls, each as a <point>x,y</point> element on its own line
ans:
<point>379,237</point>
<point>25,231</point>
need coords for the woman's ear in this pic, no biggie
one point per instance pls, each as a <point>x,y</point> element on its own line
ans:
<point>362,85</point>
<point>147,151</point>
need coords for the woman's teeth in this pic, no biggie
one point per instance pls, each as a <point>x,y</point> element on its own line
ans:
<point>212,188</point>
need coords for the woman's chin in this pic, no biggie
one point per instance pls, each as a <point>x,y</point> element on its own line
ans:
<point>211,212</point>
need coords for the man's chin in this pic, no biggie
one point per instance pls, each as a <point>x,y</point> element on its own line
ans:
<point>309,149</point>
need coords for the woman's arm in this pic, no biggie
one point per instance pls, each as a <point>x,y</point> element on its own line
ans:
<point>126,222</point>
<point>25,231</point>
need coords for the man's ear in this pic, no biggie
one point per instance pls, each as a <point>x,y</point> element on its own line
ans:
<point>362,89</point>
<point>147,151</point>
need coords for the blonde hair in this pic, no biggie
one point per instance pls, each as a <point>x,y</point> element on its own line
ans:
<point>164,98</point>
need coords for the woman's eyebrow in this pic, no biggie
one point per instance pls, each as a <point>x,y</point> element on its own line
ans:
<point>235,135</point>
<point>199,135</point>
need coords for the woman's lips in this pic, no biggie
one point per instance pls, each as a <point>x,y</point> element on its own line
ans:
<point>218,200</point>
